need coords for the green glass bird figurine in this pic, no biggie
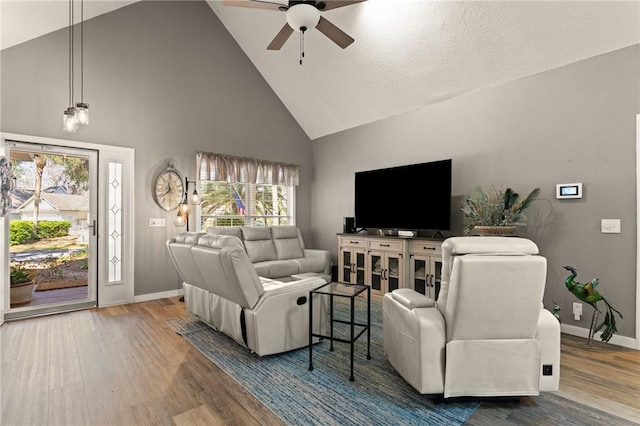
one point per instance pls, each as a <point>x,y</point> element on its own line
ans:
<point>556,311</point>
<point>589,294</point>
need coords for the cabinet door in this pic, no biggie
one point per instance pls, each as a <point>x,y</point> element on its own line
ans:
<point>376,272</point>
<point>345,265</point>
<point>394,271</point>
<point>425,274</point>
<point>360,266</point>
<point>352,265</point>
<point>419,273</point>
<point>386,271</point>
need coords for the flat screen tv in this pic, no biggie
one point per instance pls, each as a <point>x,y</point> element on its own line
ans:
<point>411,197</point>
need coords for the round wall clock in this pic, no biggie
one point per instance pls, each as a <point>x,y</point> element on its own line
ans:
<point>169,189</point>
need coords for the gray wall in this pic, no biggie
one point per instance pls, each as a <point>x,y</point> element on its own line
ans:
<point>167,79</point>
<point>573,124</point>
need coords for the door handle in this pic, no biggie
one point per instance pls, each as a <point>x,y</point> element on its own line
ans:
<point>94,227</point>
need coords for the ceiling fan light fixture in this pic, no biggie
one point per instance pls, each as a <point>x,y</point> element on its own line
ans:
<point>303,16</point>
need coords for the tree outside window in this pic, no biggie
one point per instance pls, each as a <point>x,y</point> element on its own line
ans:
<point>226,204</point>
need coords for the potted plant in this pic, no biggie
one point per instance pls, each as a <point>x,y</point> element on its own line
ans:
<point>21,283</point>
<point>496,211</point>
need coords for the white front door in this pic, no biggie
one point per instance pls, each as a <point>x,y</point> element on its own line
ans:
<point>107,227</point>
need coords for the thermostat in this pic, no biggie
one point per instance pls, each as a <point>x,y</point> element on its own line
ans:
<point>569,190</point>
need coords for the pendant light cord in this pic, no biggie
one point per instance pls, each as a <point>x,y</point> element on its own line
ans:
<point>302,30</point>
<point>82,51</point>
<point>70,53</point>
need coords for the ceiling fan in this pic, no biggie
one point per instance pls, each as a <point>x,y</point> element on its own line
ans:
<point>302,16</point>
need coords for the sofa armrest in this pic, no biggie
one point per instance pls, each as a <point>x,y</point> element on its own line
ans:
<point>412,299</point>
<point>325,254</point>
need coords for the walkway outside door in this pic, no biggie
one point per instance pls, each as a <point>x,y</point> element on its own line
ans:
<point>58,185</point>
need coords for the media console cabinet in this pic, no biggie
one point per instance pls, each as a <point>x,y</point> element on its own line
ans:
<point>386,263</point>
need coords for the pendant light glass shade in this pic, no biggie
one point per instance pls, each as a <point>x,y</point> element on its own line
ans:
<point>69,121</point>
<point>195,198</point>
<point>184,207</point>
<point>82,113</point>
<point>179,221</point>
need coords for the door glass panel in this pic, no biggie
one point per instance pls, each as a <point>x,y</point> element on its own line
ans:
<point>419,269</point>
<point>346,266</point>
<point>114,227</point>
<point>376,272</point>
<point>393,283</point>
<point>376,262</point>
<point>49,226</point>
<point>376,282</point>
<point>393,266</point>
<point>360,260</point>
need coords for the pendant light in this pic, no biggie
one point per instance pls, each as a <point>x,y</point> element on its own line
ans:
<point>82,108</point>
<point>69,119</point>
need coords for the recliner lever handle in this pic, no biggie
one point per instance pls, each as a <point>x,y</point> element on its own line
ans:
<point>301,300</point>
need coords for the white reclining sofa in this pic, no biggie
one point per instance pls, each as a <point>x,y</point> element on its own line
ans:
<point>278,252</point>
<point>488,334</point>
<point>223,289</point>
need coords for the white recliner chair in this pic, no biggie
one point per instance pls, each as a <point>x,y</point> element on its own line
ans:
<point>488,334</point>
<point>223,289</point>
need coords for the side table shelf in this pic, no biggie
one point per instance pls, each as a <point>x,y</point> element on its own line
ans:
<point>350,291</point>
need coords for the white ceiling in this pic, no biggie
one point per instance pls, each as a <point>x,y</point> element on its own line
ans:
<point>407,54</point>
<point>23,20</point>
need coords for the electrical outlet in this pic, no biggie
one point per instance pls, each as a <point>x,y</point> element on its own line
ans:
<point>156,222</point>
<point>577,311</point>
<point>610,226</point>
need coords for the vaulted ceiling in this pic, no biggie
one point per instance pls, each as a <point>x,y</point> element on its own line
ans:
<point>407,54</point>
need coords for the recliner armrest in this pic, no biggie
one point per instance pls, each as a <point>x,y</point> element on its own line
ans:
<point>412,299</point>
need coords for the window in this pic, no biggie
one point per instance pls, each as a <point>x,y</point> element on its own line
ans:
<point>238,191</point>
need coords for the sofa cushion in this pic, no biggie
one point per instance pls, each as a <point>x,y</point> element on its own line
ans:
<point>287,242</point>
<point>310,264</point>
<point>259,245</point>
<point>225,230</point>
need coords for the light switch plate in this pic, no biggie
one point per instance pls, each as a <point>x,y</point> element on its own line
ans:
<point>156,222</point>
<point>610,226</point>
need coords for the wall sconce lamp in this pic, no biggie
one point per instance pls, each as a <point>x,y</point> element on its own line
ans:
<point>184,209</point>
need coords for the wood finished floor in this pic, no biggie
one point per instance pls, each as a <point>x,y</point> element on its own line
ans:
<point>123,366</point>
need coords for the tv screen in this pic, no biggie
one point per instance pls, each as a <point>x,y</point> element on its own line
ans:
<point>412,197</point>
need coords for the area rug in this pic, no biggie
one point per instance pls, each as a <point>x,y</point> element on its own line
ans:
<point>325,395</point>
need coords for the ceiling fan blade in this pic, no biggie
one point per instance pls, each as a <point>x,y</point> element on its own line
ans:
<point>255,4</point>
<point>334,4</point>
<point>334,33</point>
<point>280,38</point>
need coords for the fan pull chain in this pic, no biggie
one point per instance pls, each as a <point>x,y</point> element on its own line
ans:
<point>302,30</point>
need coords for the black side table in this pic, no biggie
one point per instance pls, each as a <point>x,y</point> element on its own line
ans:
<point>350,291</point>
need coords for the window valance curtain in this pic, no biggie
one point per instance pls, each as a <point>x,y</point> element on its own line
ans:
<point>225,168</point>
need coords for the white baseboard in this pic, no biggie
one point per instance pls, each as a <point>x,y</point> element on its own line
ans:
<point>626,342</point>
<point>159,295</point>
